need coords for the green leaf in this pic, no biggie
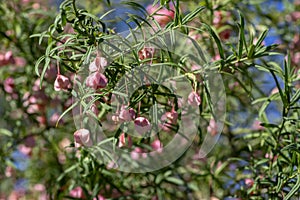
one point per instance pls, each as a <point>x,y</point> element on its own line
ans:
<point>192,14</point>
<point>66,111</point>
<point>263,107</point>
<point>296,97</point>
<point>73,167</point>
<point>261,38</point>
<point>269,125</point>
<point>262,161</point>
<point>221,168</point>
<point>276,68</point>
<point>5,132</point>
<point>199,51</point>
<point>159,178</point>
<point>160,194</point>
<point>251,51</point>
<point>37,64</point>
<point>241,36</point>
<point>294,190</point>
<point>107,13</point>
<point>292,147</point>
<point>136,18</point>
<point>178,18</point>
<point>280,181</point>
<point>193,186</point>
<point>213,33</point>
<point>282,95</point>
<point>174,180</point>
<point>46,66</point>
<point>155,2</point>
<point>262,99</point>
<point>135,6</point>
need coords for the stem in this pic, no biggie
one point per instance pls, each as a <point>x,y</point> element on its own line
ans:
<point>81,118</point>
<point>57,66</point>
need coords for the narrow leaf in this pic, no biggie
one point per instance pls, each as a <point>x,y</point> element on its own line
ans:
<point>192,14</point>
<point>294,189</point>
<point>217,40</point>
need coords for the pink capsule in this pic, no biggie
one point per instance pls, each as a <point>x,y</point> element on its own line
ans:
<point>115,118</point>
<point>212,127</point>
<point>249,182</point>
<point>61,83</point>
<point>122,140</point>
<point>162,16</point>
<point>98,64</point>
<point>96,80</point>
<point>136,153</point>
<point>9,85</point>
<point>6,58</point>
<point>142,125</point>
<point>157,145</point>
<point>146,52</point>
<point>53,119</point>
<point>34,108</point>
<point>99,197</point>
<point>217,18</point>
<point>225,35</point>
<point>94,109</point>
<point>194,99</point>
<point>82,137</point>
<point>126,114</point>
<point>77,193</point>
<point>295,15</point>
<point>169,119</point>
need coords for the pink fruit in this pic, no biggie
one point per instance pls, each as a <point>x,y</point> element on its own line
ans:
<point>257,126</point>
<point>34,108</point>
<point>98,64</point>
<point>157,145</point>
<point>115,118</point>
<point>212,127</point>
<point>82,137</point>
<point>6,58</point>
<point>77,192</point>
<point>142,125</point>
<point>9,171</point>
<point>94,109</point>
<point>96,80</point>
<point>249,182</point>
<point>225,35</point>
<point>41,120</point>
<point>126,114</point>
<point>99,197</point>
<point>217,18</point>
<point>169,119</point>
<point>9,85</point>
<point>162,16</point>
<point>137,152</point>
<point>295,15</point>
<point>194,99</point>
<point>122,140</point>
<point>274,91</point>
<point>61,83</point>
<point>146,52</point>
<point>20,62</point>
<point>25,149</point>
<point>53,119</point>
